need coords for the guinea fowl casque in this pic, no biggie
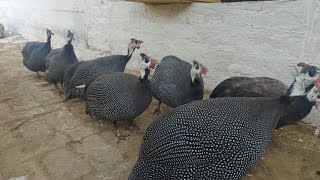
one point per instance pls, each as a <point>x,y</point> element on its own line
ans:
<point>268,87</point>
<point>176,82</point>
<point>60,61</point>
<point>120,96</point>
<point>87,71</point>
<point>34,54</point>
<point>219,138</point>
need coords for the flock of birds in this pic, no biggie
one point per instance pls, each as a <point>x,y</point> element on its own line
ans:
<point>218,138</point>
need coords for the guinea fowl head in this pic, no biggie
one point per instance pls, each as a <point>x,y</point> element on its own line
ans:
<point>70,37</point>
<point>147,66</point>
<point>314,94</point>
<point>197,70</point>
<point>134,43</point>
<point>49,33</point>
<point>304,79</point>
<point>312,71</point>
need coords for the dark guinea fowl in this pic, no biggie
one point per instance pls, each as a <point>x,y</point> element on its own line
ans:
<point>34,54</point>
<point>176,82</point>
<point>120,96</point>
<point>87,71</point>
<point>219,138</point>
<point>60,60</point>
<point>268,87</point>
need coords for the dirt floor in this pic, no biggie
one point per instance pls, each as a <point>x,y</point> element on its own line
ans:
<point>42,137</point>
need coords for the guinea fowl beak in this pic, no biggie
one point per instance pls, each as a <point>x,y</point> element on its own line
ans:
<point>139,44</point>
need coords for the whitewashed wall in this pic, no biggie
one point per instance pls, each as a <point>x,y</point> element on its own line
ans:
<point>247,39</point>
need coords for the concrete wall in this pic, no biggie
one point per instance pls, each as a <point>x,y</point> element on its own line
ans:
<point>247,39</point>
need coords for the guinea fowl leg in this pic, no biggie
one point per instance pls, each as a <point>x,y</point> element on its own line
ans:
<point>38,74</point>
<point>119,134</point>
<point>55,85</point>
<point>135,126</point>
<point>157,111</point>
<point>62,88</point>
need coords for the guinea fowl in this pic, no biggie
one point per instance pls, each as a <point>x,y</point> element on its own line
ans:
<point>268,87</point>
<point>34,54</point>
<point>59,61</point>
<point>176,82</point>
<point>219,138</point>
<point>120,96</point>
<point>87,71</point>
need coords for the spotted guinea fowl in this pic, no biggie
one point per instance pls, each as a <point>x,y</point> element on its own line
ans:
<point>120,96</point>
<point>60,61</point>
<point>176,82</point>
<point>220,138</point>
<point>34,54</point>
<point>89,70</point>
<point>268,87</point>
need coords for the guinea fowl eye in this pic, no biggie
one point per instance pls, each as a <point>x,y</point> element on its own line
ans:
<point>146,60</point>
<point>312,72</point>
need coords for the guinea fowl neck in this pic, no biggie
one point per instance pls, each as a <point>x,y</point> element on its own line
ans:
<point>297,88</point>
<point>49,41</point>
<point>69,47</point>
<point>144,81</point>
<point>129,55</point>
<point>197,92</point>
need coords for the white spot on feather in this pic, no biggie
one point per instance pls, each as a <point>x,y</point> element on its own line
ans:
<point>81,86</point>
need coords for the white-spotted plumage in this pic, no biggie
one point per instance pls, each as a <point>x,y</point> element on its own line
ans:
<point>86,71</point>
<point>219,138</point>
<point>172,83</point>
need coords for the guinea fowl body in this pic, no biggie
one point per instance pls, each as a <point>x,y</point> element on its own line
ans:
<point>249,87</point>
<point>50,56</point>
<point>69,72</point>
<point>34,54</point>
<point>172,85</point>
<point>298,109</point>
<point>118,96</point>
<point>59,62</point>
<point>87,71</point>
<point>220,138</point>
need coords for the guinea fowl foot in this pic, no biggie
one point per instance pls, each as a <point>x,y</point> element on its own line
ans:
<point>56,86</point>
<point>157,111</point>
